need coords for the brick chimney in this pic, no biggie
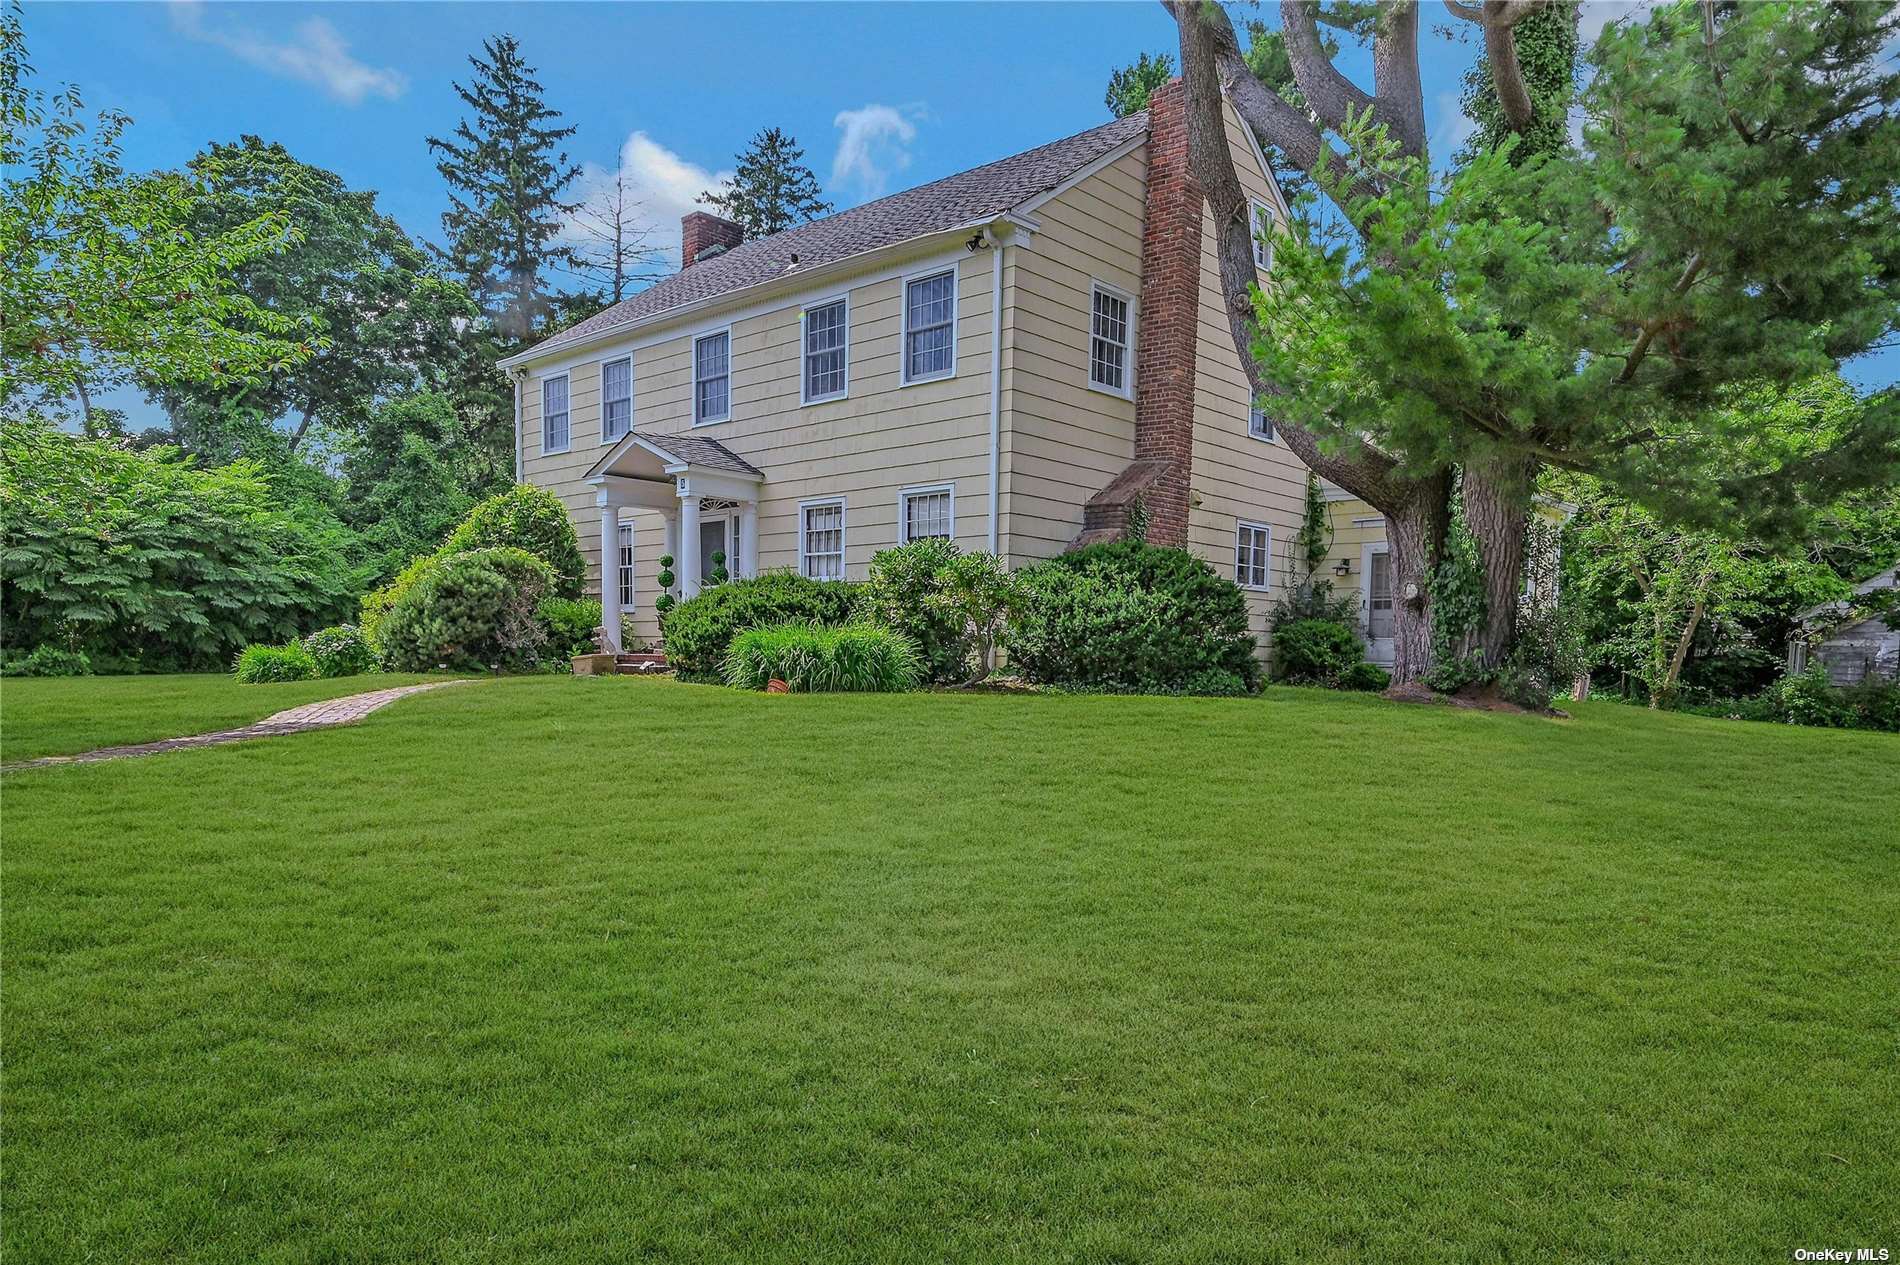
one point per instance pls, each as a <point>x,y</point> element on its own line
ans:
<point>699,231</point>
<point>1162,470</point>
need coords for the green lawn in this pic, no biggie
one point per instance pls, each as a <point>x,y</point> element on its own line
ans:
<point>555,969</point>
<point>41,717</point>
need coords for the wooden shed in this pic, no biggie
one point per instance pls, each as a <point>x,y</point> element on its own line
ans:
<point>1853,649</point>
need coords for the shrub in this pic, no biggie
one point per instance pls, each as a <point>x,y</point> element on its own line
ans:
<point>1364,676</point>
<point>340,651</point>
<point>1130,616</point>
<point>1808,698</point>
<point>699,631</point>
<point>377,602</point>
<point>1875,704</point>
<point>1315,651</point>
<point>904,592</point>
<point>1214,683</point>
<point>260,665</point>
<point>470,610</point>
<point>49,660</point>
<point>983,597</point>
<point>528,518</point>
<point>1314,599</point>
<point>570,622</point>
<point>857,657</point>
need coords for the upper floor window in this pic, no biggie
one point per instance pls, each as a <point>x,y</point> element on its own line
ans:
<point>1109,331</point>
<point>616,399</point>
<point>930,327</point>
<point>554,429</point>
<point>1253,555</point>
<point>1259,425</point>
<point>712,377</point>
<point>925,514</point>
<point>1263,237</point>
<point>825,334</point>
<point>821,540</point>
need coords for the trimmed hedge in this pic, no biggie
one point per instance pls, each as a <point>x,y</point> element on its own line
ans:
<point>470,610</point>
<point>700,631</point>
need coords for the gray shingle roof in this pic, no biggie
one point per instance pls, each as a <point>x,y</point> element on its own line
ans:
<point>697,450</point>
<point>942,204</point>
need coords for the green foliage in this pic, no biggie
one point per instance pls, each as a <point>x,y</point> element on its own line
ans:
<point>1315,652</point>
<point>1129,616</point>
<point>1315,537</point>
<point>341,650</point>
<point>530,518</point>
<point>265,665</point>
<point>1545,41</point>
<point>377,603</point>
<point>1314,599</point>
<point>1458,610</point>
<point>570,622</point>
<point>903,592</point>
<point>1808,698</point>
<point>858,657</point>
<point>144,556</point>
<point>1129,87</point>
<point>48,660</point>
<point>981,596</point>
<point>470,610</point>
<point>699,630</point>
<point>771,189</point>
<point>1364,676</point>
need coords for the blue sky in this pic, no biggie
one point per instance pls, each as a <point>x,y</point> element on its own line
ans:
<point>882,96</point>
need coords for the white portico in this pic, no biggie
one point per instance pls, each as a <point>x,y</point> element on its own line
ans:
<point>707,495</point>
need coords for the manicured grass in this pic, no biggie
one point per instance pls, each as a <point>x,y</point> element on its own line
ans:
<point>601,970</point>
<point>40,716</point>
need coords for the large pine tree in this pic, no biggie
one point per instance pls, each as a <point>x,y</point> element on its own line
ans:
<point>506,173</point>
<point>771,189</point>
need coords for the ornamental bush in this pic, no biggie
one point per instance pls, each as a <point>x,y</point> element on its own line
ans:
<point>699,631</point>
<point>904,592</point>
<point>529,518</point>
<point>1365,676</point>
<point>811,658</point>
<point>340,651</point>
<point>471,611</point>
<point>1315,652</point>
<point>1130,616</point>
<point>264,665</point>
<point>377,602</point>
<point>570,622</point>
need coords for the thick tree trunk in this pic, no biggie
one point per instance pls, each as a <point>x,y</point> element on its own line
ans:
<point>1415,531</point>
<point>1497,503</point>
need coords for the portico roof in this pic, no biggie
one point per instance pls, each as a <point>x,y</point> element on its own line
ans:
<point>637,456</point>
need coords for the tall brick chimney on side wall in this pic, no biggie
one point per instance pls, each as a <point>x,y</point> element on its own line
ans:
<point>700,231</point>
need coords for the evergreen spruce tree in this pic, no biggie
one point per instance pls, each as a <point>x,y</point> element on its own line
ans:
<point>772,189</point>
<point>506,172</point>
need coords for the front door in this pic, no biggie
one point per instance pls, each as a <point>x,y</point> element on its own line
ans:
<point>715,537</point>
<point>1377,572</point>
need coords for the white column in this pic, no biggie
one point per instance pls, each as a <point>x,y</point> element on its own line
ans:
<point>610,574</point>
<point>688,569</point>
<point>748,538</point>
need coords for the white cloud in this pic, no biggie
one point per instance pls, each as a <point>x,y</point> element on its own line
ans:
<point>1455,127</point>
<point>871,148</point>
<point>1594,15</point>
<point>315,54</point>
<point>660,188</point>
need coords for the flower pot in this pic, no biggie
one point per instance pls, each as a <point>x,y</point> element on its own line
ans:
<point>777,686</point>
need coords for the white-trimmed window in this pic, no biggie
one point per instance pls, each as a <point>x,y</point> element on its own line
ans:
<point>1263,222</point>
<point>616,399</point>
<point>1111,331</point>
<point>625,566</point>
<point>930,327</point>
<point>1259,425</point>
<point>826,332</point>
<point>1253,555</point>
<point>712,377</point>
<point>926,514</point>
<point>554,428</point>
<point>821,539</point>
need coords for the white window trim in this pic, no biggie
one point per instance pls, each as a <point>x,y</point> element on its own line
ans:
<point>844,540</point>
<point>568,387</point>
<point>731,364</point>
<point>613,360</point>
<point>804,351</point>
<point>1127,390</point>
<point>924,489</point>
<point>1274,438</point>
<point>1246,524</point>
<point>627,574</point>
<point>1254,209</point>
<point>903,340</point>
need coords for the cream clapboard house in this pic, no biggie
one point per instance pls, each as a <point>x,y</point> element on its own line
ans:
<point>1010,357</point>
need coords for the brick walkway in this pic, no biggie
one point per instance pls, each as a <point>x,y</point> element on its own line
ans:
<point>331,711</point>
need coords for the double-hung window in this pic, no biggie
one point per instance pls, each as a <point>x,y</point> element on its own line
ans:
<point>554,428</point>
<point>1253,555</point>
<point>1263,237</point>
<point>821,539</point>
<point>825,336</point>
<point>1110,331</point>
<point>930,327</point>
<point>1259,425</point>
<point>712,377</point>
<point>625,565</point>
<point>616,399</point>
<point>925,514</point>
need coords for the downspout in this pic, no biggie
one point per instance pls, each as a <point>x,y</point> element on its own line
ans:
<point>518,375</point>
<point>996,376</point>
